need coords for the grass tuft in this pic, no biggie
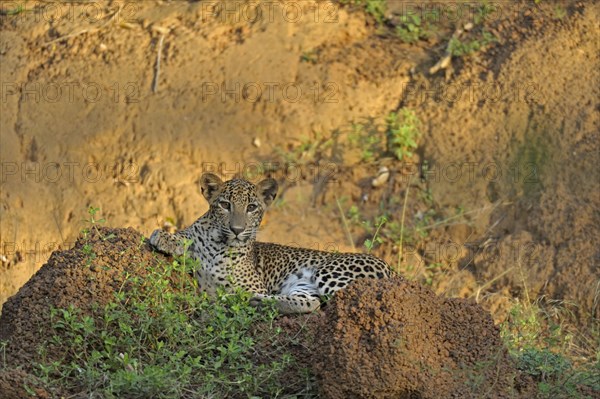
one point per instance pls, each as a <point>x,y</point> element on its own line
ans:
<point>541,349</point>
<point>159,338</point>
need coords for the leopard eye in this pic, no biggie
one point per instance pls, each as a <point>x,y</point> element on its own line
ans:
<point>224,204</point>
<point>251,207</point>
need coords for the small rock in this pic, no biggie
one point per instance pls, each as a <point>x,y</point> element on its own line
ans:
<point>382,177</point>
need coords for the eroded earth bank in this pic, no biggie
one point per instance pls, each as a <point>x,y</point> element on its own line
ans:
<point>486,179</point>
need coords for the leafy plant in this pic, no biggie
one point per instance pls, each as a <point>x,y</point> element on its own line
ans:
<point>413,28</point>
<point>403,131</point>
<point>483,11</point>
<point>539,347</point>
<point>460,48</point>
<point>354,215</point>
<point>398,134</point>
<point>559,12</point>
<point>159,338</point>
<point>308,151</point>
<point>309,56</point>
<point>95,224</point>
<point>367,140</point>
<point>375,8</point>
<point>370,243</point>
<point>431,270</point>
<point>542,363</point>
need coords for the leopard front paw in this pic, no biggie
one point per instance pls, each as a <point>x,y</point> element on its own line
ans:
<point>160,241</point>
<point>166,243</point>
<point>257,300</point>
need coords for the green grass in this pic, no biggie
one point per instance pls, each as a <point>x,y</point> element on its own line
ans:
<point>309,56</point>
<point>160,338</point>
<point>403,131</point>
<point>478,37</point>
<point>413,28</point>
<point>559,12</point>
<point>367,139</point>
<point>93,222</point>
<point>541,346</point>
<point>398,136</point>
<point>370,242</point>
<point>563,362</point>
<point>308,151</point>
<point>375,8</point>
<point>462,48</point>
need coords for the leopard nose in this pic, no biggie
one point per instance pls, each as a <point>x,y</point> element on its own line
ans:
<point>237,230</point>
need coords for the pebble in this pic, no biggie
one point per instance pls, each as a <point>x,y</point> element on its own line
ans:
<point>382,177</point>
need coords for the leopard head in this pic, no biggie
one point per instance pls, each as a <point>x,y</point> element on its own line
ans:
<point>237,206</point>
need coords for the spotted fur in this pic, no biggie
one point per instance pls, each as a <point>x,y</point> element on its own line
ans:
<point>224,242</point>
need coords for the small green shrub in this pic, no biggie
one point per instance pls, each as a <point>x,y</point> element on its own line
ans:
<point>542,363</point>
<point>375,8</point>
<point>403,131</point>
<point>397,136</point>
<point>460,48</point>
<point>94,223</point>
<point>377,239</point>
<point>413,28</point>
<point>539,348</point>
<point>159,338</point>
<point>309,56</point>
<point>367,140</point>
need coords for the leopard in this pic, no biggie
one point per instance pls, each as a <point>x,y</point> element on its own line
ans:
<point>223,241</point>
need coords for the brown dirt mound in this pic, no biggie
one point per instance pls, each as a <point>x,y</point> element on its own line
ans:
<point>68,280</point>
<point>397,339</point>
<point>389,338</point>
<point>13,382</point>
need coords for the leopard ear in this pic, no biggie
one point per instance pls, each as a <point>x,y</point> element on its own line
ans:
<point>209,185</point>
<point>267,190</point>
